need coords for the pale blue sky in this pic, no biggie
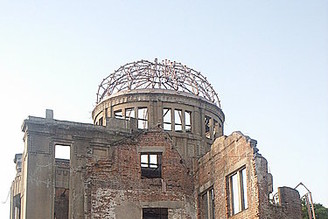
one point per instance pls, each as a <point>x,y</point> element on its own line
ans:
<point>267,59</point>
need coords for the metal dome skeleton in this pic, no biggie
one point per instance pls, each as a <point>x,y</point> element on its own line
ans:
<point>153,75</point>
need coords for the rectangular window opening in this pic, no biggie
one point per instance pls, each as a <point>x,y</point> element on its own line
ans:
<point>188,121</point>
<point>62,177</point>
<point>143,118</point>
<point>129,113</point>
<point>207,207</point>
<point>178,120</point>
<point>63,152</point>
<point>238,191</point>
<point>215,128</point>
<point>211,202</point>
<point>101,121</point>
<point>118,114</point>
<point>155,213</point>
<point>167,119</point>
<point>207,127</point>
<point>204,207</point>
<point>244,188</point>
<point>151,165</point>
<point>16,206</point>
<point>61,203</point>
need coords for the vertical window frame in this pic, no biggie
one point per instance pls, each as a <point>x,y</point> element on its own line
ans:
<point>178,120</point>
<point>188,122</point>
<point>207,204</point>
<point>142,122</point>
<point>207,127</point>
<point>128,112</point>
<point>167,119</point>
<point>215,128</point>
<point>101,121</point>
<point>238,194</point>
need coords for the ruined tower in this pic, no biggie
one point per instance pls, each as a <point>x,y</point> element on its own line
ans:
<point>168,95</point>
<point>156,149</point>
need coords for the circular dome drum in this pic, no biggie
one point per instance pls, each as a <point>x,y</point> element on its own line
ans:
<point>168,95</point>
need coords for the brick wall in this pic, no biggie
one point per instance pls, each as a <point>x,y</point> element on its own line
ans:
<point>114,186</point>
<point>227,156</point>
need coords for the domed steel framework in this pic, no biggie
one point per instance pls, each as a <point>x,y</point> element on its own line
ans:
<point>154,75</point>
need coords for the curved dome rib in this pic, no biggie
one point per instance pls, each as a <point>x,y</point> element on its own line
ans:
<point>153,75</point>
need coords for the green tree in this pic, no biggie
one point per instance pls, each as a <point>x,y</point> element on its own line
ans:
<point>321,212</point>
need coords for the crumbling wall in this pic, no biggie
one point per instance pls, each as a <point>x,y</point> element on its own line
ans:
<point>228,156</point>
<point>289,205</point>
<point>290,200</point>
<point>103,178</point>
<point>115,188</point>
<point>43,180</point>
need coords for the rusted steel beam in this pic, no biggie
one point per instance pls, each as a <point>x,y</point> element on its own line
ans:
<point>167,74</point>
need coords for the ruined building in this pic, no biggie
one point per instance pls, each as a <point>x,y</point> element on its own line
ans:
<point>156,149</point>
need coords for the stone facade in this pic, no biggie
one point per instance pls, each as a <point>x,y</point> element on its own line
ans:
<point>151,153</point>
